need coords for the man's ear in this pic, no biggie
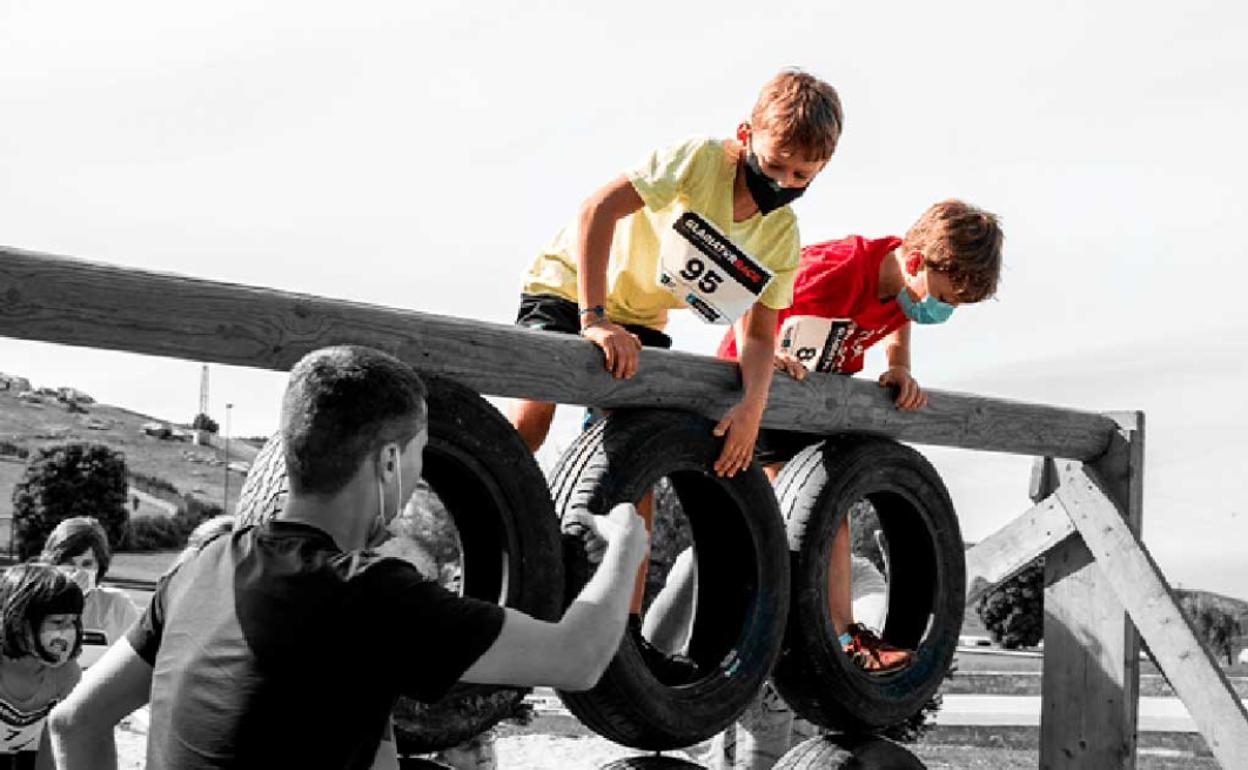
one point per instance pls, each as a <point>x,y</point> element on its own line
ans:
<point>385,459</point>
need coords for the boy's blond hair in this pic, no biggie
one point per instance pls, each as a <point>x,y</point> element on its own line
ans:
<point>802,112</point>
<point>963,242</point>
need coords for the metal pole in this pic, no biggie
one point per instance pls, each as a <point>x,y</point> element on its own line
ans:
<point>225,495</point>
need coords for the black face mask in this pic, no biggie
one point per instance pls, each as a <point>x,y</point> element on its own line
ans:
<point>767,193</point>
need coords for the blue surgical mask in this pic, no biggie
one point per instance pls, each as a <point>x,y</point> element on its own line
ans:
<point>928,310</point>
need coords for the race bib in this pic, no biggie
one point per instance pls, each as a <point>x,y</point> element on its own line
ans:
<point>20,730</point>
<point>709,272</point>
<point>814,341</point>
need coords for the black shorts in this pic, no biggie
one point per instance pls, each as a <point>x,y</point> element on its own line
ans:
<point>780,446</point>
<point>556,314</point>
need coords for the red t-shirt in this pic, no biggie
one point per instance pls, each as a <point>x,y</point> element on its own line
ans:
<point>841,279</point>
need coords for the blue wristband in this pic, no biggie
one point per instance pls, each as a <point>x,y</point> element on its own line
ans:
<point>597,310</point>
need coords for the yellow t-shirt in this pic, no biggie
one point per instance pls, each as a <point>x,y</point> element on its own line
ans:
<point>695,175</point>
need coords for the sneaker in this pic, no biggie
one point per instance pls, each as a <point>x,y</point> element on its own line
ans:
<point>672,670</point>
<point>874,655</point>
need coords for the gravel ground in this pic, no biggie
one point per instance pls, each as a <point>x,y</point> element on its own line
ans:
<point>538,751</point>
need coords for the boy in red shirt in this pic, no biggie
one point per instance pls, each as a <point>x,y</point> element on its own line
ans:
<point>855,292</point>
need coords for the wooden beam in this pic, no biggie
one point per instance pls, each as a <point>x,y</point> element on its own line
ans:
<point>1001,555</point>
<point>1090,677</point>
<point>1140,586</point>
<point>56,299</point>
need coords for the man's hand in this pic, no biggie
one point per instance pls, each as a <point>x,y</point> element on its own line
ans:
<point>790,365</point>
<point>619,345</point>
<point>622,526</point>
<point>740,430</point>
<point>909,395</point>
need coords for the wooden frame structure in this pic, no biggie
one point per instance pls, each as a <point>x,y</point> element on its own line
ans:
<point>1101,582</point>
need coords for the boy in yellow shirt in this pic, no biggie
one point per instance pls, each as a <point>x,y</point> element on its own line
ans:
<point>613,274</point>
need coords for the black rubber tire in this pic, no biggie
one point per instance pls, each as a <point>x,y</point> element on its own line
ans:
<point>926,587</point>
<point>496,494</point>
<point>741,552</point>
<point>846,752</point>
<point>650,762</point>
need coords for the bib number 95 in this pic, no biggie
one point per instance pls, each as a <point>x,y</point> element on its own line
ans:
<point>696,270</point>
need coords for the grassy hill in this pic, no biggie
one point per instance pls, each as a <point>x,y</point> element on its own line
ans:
<point>1236,607</point>
<point>196,470</point>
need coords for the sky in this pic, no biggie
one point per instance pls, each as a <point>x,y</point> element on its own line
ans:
<point>417,155</point>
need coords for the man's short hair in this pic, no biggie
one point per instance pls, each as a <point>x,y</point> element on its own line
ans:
<point>73,536</point>
<point>28,594</point>
<point>341,404</point>
<point>801,112</point>
<point>963,242</point>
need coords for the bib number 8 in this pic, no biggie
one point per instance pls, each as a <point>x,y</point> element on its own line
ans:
<point>696,269</point>
<point>805,354</point>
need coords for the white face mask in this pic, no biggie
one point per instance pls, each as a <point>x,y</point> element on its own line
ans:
<point>379,531</point>
<point>56,643</point>
<point>83,578</point>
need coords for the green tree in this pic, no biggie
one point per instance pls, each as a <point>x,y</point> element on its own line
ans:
<point>204,422</point>
<point>77,479</point>
<point>1215,625</point>
<point>1013,612</point>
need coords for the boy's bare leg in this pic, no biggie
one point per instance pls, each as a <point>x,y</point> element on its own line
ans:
<point>669,621</point>
<point>532,421</point>
<point>840,603</point>
<point>645,509</point>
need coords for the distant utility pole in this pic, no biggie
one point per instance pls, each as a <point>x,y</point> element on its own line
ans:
<point>203,390</point>
<point>225,495</point>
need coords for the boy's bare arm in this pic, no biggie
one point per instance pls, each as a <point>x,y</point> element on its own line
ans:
<point>897,353</point>
<point>81,726</point>
<point>573,653</point>
<point>756,338</point>
<point>597,221</point>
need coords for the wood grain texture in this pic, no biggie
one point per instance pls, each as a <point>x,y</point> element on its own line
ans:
<point>74,302</point>
<point>1139,585</point>
<point>1089,707</point>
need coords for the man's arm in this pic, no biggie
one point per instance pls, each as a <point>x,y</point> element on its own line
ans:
<point>897,352</point>
<point>597,221</point>
<point>81,726</point>
<point>573,653</point>
<point>756,343</point>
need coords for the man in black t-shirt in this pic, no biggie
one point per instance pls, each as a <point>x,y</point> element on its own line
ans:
<point>286,644</point>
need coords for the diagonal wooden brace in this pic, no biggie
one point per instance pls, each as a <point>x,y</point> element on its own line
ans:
<point>1144,592</point>
<point>1004,553</point>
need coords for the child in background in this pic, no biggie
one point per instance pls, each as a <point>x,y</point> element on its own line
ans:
<point>41,628</point>
<point>79,546</point>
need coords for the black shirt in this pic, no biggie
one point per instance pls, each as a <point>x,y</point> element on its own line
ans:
<point>273,648</point>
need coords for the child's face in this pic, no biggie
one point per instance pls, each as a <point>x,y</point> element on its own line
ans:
<point>58,635</point>
<point>929,282</point>
<point>786,168</point>
<point>85,560</point>
<point>82,569</point>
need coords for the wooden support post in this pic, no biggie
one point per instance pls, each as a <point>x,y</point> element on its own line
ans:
<point>1091,671</point>
<point>1130,571</point>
